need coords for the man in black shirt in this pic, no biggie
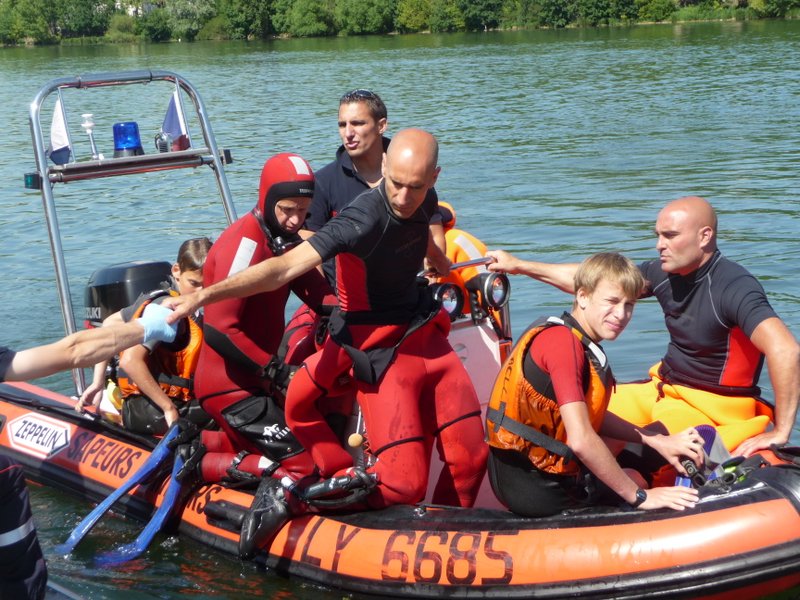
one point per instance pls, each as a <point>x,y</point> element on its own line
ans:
<point>411,386</point>
<point>362,122</point>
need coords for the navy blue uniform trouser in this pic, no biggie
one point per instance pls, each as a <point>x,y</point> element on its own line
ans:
<point>23,573</point>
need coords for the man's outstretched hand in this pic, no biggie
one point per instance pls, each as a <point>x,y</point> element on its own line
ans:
<point>759,442</point>
<point>182,306</point>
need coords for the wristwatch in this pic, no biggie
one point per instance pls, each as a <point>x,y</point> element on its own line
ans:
<point>641,496</point>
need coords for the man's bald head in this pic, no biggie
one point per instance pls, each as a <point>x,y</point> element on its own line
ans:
<point>698,209</point>
<point>410,170</point>
<point>414,144</point>
<point>687,234</point>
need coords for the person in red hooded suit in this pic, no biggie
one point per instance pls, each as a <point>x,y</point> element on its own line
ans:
<point>241,376</point>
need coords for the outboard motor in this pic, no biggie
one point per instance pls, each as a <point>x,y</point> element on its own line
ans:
<point>117,286</point>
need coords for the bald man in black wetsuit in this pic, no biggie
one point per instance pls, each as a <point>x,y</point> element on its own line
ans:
<point>414,394</point>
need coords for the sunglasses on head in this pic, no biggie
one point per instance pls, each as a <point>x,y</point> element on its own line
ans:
<point>358,95</point>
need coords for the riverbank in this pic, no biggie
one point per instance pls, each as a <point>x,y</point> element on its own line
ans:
<point>253,21</point>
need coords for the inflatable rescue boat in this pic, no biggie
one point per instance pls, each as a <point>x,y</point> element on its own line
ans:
<point>741,540</point>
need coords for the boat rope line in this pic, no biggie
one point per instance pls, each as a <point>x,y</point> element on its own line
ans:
<point>85,419</point>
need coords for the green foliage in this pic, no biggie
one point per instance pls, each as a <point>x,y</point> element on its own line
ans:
<point>217,28</point>
<point>480,15</point>
<point>9,30</point>
<point>413,15</point>
<point>520,13</point>
<point>604,12</point>
<point>84,17</point>
<point>773,8</point>
<point>624,10</point>
<point>704,12</point>
<point>655,10</point>
<point>245,18</point>
<point>36,20</point>
<point>594,12</point>
<point>122,28</point>
<point>279,15</point>
<point>363,16</point>
<point>446,16</point>
<point>308,18</point>
<point>186,17</point>
<point>85,21</point>
<point>154,26</point>
<point>122,23</point>
<point>558,13</point>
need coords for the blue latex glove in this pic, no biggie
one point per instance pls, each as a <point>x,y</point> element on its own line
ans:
<point>153,320</point>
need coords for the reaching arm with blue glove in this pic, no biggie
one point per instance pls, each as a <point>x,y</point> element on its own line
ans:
<point>156,328</point>
<point>88,347</point>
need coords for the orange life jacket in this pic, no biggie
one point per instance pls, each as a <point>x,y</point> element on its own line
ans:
<point>525,417</point>
<point>174,371</point>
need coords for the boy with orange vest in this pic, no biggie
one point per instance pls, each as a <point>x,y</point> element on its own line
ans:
<point>156,380</point>
<point>548,408</point>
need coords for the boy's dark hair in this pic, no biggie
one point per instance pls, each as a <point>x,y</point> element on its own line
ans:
<point>192,254</point>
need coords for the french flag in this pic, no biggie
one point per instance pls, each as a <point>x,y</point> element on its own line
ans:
<point>175,125</point>
<point>59,150</point>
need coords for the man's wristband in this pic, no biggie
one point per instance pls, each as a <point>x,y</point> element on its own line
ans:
<point>641,496</point>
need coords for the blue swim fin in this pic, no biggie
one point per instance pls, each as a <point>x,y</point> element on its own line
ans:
<point>171,502</point>
<point>160,453</point>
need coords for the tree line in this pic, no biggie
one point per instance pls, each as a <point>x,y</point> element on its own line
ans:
<point>65,21</point>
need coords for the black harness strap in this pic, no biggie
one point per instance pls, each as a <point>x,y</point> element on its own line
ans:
<point>369,365</point>
<point>397,443</point>
<point>476,413</point>
<point>175,380</point>
<point>498,417</point>
<point>223,346</point>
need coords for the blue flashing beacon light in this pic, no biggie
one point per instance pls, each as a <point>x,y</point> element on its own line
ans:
<point>127,141</point>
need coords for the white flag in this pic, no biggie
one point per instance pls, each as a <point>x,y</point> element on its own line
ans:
<point>174,123</point>
<point>59,150</point>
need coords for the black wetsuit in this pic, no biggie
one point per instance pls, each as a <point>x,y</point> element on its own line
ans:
<point>423,392</point>
<point>381,253</point>
<point>710,315</point>
<point>336,185</point>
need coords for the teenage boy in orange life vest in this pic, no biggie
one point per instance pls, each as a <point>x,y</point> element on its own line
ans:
<point>155,379</point>
<point>548,409</point>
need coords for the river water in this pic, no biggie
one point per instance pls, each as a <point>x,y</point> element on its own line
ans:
<point>554,144</point>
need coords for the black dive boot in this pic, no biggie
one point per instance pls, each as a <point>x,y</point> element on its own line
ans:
<point>268,513</point>
<point>189,446</point>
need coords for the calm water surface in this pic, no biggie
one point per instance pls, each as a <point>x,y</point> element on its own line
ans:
<point>553,145</point>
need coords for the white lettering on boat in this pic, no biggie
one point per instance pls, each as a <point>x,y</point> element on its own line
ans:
<point>38,435</point>
<point>92,313</point>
